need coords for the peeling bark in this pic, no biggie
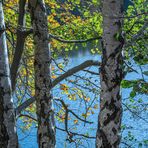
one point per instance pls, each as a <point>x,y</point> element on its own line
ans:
<point>8,135</point>
<point>109,123</point>
<point>43,97</point>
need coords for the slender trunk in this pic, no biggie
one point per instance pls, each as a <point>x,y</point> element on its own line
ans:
<point>110,115</point>
<point>43,97</point>
<point>8,135</point>
<point>19,44</point>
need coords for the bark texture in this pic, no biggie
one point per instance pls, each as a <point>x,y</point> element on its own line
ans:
<point>8,135</point>
<point>43,97</point>
<point>109,123</point>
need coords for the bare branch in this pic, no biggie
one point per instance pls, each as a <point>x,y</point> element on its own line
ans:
<point>92,72</point>
<point>29,31</point>
<point>68,110</point>
<point>28,116</point>
<point>69,73</point>
<point>135,113</point>
<point>72,41</point>
<point>24,105</point>
<point>77,134</point>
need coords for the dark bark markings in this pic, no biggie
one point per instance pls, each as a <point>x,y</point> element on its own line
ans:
<point>8,135</point>
<point>4,137</point>
<point>43,97</point>
<point>111,76</point>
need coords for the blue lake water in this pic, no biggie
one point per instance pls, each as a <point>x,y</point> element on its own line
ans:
<point>137,126</point>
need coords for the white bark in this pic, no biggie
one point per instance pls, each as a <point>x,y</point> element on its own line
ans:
<point>110,76</point>
<point>8,135</point>
<point>43,97</point>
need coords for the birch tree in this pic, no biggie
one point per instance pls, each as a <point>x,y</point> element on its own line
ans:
<point>72,22</point>
<point>8,135</point>
<point>42,61</point>
<point>110,115</point>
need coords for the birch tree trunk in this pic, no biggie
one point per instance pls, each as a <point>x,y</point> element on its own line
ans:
<point>8,135</point>
<point>109,123</point>
<point>43,97</point>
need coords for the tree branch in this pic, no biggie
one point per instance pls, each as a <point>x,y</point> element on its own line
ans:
<point>68,110</point>
<point>72,41</point>
<point>128,17</point>
<point>24,105</point>
<point>74,70</point>
<point>136,36</point>
<point>27,32</point>
<point>19,45</point>
<point>91,72</point>
<point>57,80</point>
<point>135,113</point>
<point>73,133</point>
<point>77,134</point>
<point>28,116</point>
<point>60,39</point>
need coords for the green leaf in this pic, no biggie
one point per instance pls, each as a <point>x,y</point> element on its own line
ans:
<point>116,36</point>
<point>145,142</point>
<point>132,94</point>
<point>140,145</point>
<point>140,100</point>
<point>132,100</point>
<point>126,84</point>
<point>94,1</point>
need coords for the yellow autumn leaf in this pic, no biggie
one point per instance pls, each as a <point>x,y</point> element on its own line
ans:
<point>87,99</point>
<point>72,97</point>
<point>33,92</point>
<point>53,76</point>
<point>75,121</point>
<point>95,106</point>
<point>86,114</point>
<point>64,87</point>
<point>92,112</point>
<point>52,68</point>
